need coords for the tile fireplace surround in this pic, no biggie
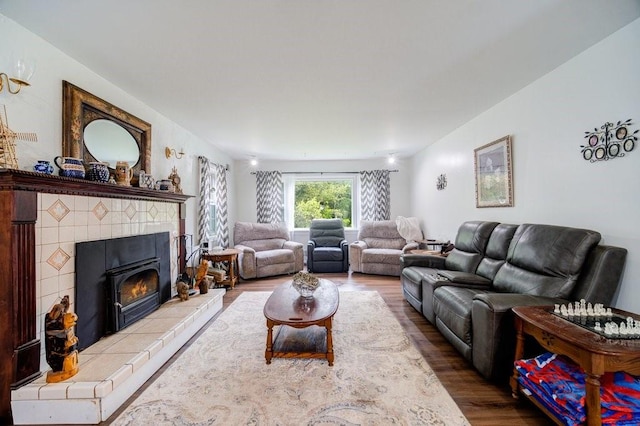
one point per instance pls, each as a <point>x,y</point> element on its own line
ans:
<point>41,219</point>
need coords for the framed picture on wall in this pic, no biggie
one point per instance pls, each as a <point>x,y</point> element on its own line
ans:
<point>493,171</point>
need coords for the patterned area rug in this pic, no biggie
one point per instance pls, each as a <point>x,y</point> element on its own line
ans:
<point>378,377</point>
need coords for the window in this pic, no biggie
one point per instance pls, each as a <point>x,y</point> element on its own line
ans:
<point>328,196</point>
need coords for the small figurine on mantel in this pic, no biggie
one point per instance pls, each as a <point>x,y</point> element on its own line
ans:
<point>61,343</point>
<point>175,179</point>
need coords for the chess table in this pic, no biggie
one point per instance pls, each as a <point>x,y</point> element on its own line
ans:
<point>595,353</point>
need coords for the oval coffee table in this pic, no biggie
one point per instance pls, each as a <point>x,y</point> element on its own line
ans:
<point>305,324</point>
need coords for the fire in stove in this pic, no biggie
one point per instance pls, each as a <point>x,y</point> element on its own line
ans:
<point>134,293</point>
<point>138,287</point>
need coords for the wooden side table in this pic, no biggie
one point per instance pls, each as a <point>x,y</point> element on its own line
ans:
<point>229,256</point>
<point>595,353</point>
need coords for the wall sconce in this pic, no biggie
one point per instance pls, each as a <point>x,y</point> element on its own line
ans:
<point>23,72</point>
<point>253,161</point>
<point>391,159</point>
<point>168,152</point>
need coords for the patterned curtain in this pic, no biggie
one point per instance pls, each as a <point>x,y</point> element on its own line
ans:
<point>222,214</point>
<point>204,199</point>
<point>269,197</point>
<point>375,195</point>
<point>213,190</point>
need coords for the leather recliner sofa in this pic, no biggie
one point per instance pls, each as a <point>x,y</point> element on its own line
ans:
<point>468,295</point>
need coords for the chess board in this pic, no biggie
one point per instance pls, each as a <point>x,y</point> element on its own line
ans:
<point>589,322</point>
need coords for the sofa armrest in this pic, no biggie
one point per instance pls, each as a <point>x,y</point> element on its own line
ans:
<point>311,246</point>
<point>355,255</point>
<point>298,254</point>
<point>494,332</point>
<point>426,261</point>
<point>344,246</point>
<point>246,261</point>
<point>292,245</point>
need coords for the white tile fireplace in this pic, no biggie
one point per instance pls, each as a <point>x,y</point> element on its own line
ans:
<point>41,220</point>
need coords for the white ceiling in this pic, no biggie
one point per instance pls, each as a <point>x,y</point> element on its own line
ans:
<point>321,79</point>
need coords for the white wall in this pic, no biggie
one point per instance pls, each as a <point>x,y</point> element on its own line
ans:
<point>553,184</point>
<point>39,109</point>
<point>246,182</point>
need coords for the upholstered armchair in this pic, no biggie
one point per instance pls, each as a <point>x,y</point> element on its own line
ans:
<point>265,250</point>
<point>327,249</point>
<point>378,248</point>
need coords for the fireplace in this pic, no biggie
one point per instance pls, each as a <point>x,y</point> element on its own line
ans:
<point>133,293</point>
<point>119,281</point>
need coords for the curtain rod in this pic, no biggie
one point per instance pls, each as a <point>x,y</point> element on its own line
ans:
<point>322,173</point>
<point>226,166</point>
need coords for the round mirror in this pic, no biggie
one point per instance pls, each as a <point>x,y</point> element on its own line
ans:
<point>109,142</point>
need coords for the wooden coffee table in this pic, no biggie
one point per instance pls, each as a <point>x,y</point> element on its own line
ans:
<point>596,354</point>
<point>305,324</point>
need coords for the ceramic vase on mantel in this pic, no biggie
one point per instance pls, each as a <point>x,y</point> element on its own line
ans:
<point>70,167</point>
<point>43,166</point>
<point>97,172</point>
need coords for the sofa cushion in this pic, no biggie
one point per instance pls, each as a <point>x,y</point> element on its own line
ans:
<point>381,234</point>
<point>381,255</point>
<point>497,249</point>
<point>265,245</point>
<point>326,232</point>
<point>248,231</point>
<point>471,242</point>
<point>545,260</point>
<point>328,254</point>
<point>273,257</point>
<point>452,306</point>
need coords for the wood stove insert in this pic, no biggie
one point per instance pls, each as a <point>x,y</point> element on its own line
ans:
<point>118,282</point>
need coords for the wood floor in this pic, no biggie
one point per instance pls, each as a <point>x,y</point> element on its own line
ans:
<point>482,402</point>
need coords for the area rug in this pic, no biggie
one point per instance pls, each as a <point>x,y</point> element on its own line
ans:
<point>378,377</point>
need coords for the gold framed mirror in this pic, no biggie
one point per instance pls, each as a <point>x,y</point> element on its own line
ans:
<point>96,130</point>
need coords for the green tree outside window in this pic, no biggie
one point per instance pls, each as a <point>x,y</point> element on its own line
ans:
<point>326,199</point>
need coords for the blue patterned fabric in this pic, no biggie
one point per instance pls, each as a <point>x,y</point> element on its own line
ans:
<point>559,384</point>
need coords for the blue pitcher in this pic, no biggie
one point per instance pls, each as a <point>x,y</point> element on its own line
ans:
<point>70,167</point>
<point>43,166</point>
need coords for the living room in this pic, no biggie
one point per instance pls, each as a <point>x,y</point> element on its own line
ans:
<point>546,116</point>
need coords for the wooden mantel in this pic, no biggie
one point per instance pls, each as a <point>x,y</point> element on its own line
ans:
<point>20,344</point>
<point>20,180</point>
